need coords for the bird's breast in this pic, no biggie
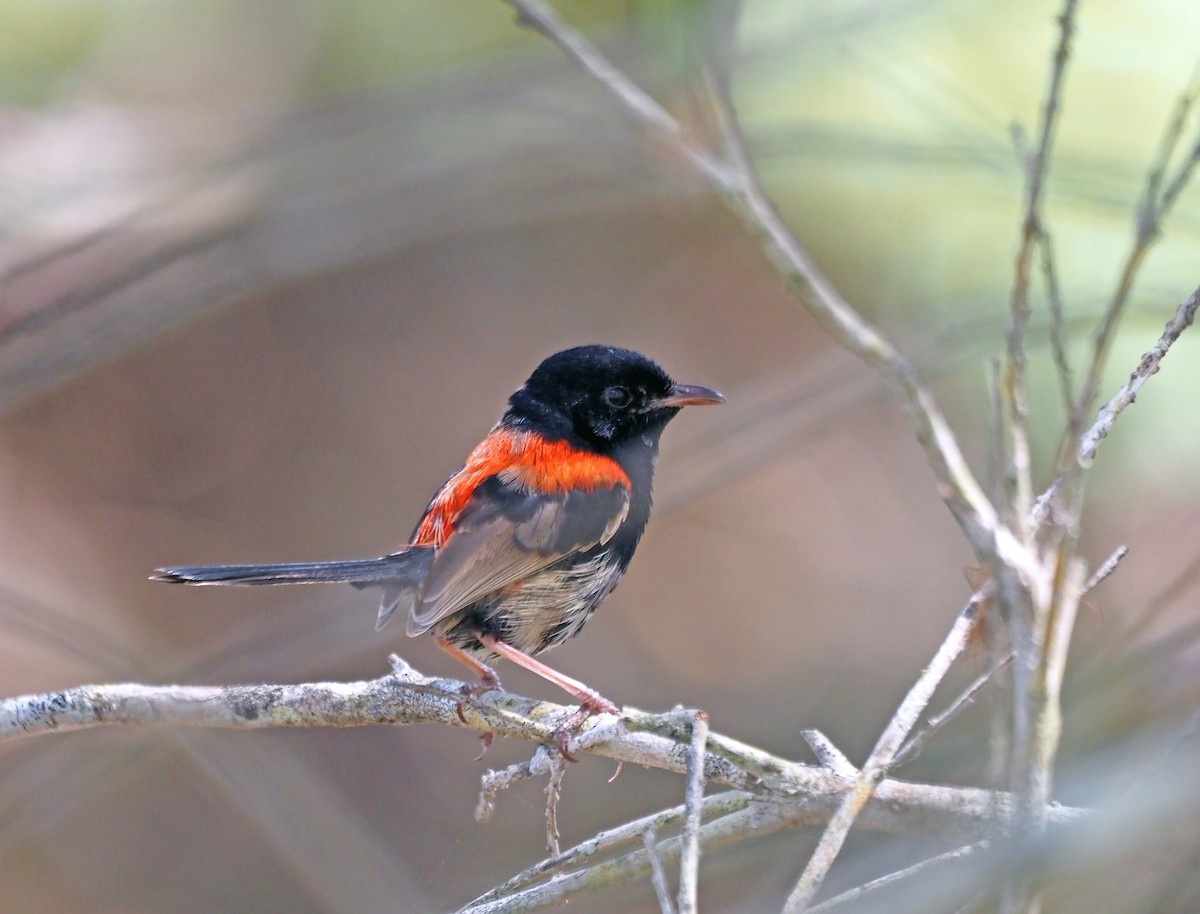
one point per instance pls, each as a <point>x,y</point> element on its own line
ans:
<point>551,606</point>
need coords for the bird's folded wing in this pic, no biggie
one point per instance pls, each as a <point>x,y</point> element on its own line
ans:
<point>506,534</point>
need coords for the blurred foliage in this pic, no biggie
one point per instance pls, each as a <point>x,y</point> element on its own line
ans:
<point>42,46</point>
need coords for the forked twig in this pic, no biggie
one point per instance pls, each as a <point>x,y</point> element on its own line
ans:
<point>881,758</point>
<point>885,882</point>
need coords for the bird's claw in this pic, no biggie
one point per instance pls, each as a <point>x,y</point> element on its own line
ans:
<point>486,683</point>
<point>485,743</point>
<point>590,703</point>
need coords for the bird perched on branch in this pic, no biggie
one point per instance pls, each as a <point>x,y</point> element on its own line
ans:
<point>519,547</point>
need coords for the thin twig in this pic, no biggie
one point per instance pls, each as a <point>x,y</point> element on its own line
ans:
<point>921,738</point>
<point>1036,167</point>
<point>1001,472</point>
<point>543,19</point>
<point>689,861</point>
<point>1088,443</point>
<point>888,881</point>
<point>658,877</point>
<point>829,755</point>
<point>1151,197</point>
<point>1106,569</point>
<point>1160,601</point>
<point>1146,368</point>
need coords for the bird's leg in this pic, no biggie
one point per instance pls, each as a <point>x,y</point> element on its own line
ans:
<point>590,701</point>
<point>487,680</point>
<point>487,676</point>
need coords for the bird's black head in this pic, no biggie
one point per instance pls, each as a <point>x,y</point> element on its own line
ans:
<point>602,397</point>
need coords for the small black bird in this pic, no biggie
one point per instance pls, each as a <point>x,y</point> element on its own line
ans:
<point>519,547</point>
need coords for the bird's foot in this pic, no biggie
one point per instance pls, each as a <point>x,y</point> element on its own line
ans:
<point>590,703</point>
<point>488,681</point>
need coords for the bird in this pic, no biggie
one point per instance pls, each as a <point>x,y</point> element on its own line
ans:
<point>519,547</point>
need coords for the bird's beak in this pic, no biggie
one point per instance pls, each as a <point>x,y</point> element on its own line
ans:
<point>686,395</point>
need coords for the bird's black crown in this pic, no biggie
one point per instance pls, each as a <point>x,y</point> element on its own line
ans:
<point>600,396</point>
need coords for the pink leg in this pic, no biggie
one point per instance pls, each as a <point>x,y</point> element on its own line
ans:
<point>589,700</point>
<point>487,680</point>
<point>487,676</point>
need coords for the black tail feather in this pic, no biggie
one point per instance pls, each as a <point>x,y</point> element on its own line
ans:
<point>404,567</point>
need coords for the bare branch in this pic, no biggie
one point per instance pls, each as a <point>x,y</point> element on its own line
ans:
<point>810,792</point>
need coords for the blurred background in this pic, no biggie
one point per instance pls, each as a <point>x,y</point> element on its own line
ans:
<point>268,270</point>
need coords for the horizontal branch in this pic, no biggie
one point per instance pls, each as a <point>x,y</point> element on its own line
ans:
<point>811,793</point>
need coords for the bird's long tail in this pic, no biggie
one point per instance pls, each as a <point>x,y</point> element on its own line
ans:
<point>400,575</point>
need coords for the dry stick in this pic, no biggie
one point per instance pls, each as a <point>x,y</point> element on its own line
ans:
<point>1036,167</point>
<point>804,795</point>
<point>829,755</point>
<point>885,882</point>
<point>689,861</point>
<point>1154,608</point>
<point>1048,688</point>
<point>1001,476</point>
<point>1167,146</point>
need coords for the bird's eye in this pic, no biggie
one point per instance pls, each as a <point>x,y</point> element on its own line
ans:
<point>618,397</point>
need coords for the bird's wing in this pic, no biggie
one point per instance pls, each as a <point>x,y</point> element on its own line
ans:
<point>506,532</point>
